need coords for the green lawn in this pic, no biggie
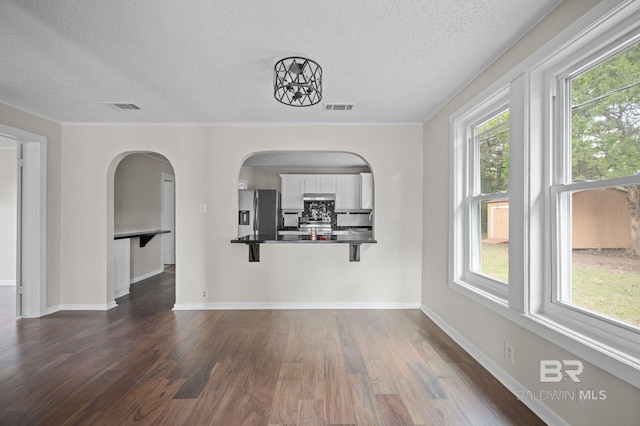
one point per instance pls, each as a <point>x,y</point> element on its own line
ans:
<point>495,261</point>
<point>607,282</point>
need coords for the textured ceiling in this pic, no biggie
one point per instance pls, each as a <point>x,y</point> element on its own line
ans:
<point>205,61</point>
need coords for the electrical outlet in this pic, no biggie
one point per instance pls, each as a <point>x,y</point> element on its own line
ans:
<point>203,208</point>
<point>204,294</point>
<point>509,353</point>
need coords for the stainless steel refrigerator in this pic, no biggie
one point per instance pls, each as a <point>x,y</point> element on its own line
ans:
<point>259,212</point>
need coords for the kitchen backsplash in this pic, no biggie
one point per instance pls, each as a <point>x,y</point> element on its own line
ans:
<point>320,210</point>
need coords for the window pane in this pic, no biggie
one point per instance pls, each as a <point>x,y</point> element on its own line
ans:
<point>605,272</point>
<point>605,118</point>
<point>490,256</point>
<point>493,144</point>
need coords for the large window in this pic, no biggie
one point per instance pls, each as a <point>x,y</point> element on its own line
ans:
<point>596,186</point>
<point>545,219</point>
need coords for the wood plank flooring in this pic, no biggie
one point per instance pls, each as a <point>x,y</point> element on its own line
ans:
<point>144,363</point>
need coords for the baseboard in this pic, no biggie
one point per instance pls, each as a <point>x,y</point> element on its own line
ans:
<point>540,409</point>
<point>230,306</point>
<point>88,306</point>
<point>51,310</point>
<point>8,282</point>
<point>145,276</point>
<point>121,292</point>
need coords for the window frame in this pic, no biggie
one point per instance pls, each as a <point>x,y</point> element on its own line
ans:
<point>533,105</point>
<point>605,329</point>
<point>466,181</point>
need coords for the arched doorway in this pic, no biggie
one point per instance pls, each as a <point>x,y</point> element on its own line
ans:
<point>345,178</point>
<point>143,220</point>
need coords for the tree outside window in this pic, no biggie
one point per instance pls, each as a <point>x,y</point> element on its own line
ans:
<point>605,145</point>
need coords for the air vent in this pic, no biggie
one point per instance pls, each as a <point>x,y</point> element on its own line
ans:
<point>338,107</point>
<point>121,105</point>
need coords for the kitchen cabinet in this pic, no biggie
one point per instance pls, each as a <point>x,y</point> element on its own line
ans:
<point>327,184</point>
<point>352,191</point>
<point>324,184</point>
<point>293,187</point>
<point>122,263</point>
<point>348,192</point>
<point>291,190</point>
<point>366,191</point>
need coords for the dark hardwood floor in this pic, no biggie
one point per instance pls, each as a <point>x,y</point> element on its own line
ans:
<point>144,363</point>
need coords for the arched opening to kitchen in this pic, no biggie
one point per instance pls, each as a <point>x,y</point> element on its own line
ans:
<point>306,196</point>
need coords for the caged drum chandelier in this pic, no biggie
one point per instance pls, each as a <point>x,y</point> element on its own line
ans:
<point>297,82</point>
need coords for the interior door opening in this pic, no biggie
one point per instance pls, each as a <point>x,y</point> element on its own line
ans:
<point>10,300</point>
<point>144,222</point>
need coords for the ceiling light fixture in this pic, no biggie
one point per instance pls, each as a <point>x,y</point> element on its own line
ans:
<point>297,82</point>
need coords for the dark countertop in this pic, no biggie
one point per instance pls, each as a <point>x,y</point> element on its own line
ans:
<point>351,238</point>
<point>121,235</point>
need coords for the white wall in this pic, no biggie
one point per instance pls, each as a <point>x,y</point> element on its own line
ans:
<point>480,327</point>
<point>8,211</point>
<point>138,207</point>
<point>207,161</point>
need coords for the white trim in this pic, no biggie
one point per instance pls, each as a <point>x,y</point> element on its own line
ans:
<point>292,305</point>
<point>464,181</point>
<point>147,275</point>
<point>8,282</point>
<point>88,306</point>
<point>540,409</point>
<point>167,177</point>
<point>252,124</point>
<point>121,292</point>
<point>52,310</point>
<point>33,221</point>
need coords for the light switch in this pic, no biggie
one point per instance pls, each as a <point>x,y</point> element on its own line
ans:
<point>203,208</point>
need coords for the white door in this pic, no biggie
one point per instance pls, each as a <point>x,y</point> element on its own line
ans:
<point>168,219</point>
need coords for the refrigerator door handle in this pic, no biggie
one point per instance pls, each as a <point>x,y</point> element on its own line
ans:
<point>256,214</point>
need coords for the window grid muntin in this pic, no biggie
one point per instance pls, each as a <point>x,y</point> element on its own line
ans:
<point>563,187</point>
<point>473,198</point>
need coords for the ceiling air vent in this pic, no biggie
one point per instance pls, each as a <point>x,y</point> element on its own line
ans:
<point>338,107</point>
<point>121,105</point>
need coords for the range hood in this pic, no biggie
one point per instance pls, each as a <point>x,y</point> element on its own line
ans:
<point>313,196</point>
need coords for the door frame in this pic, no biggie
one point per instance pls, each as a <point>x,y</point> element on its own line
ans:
<point>32,221</point>
<point>166,177</point>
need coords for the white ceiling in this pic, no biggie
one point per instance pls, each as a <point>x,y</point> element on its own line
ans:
<point>205,61</point>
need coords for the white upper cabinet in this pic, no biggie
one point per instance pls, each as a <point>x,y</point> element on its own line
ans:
<point>366,191</point>
<point>352,191</point>
<point>324,184</point>
<point>291,190</point>
<point>327,184</point>
<point>347,192</point>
